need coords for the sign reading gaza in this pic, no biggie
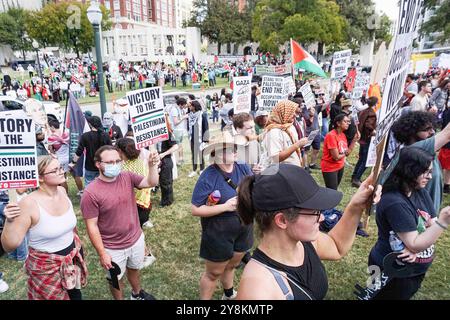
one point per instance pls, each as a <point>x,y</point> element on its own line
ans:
<point>18,166</point>
<point>242,94</point>
<point>147,116</point>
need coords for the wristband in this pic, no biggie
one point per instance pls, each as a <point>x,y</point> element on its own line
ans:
<point>441,225</point>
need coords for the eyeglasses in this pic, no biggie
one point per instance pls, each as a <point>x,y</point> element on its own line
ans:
<point>317,213</point>
<point>59,169</point>
<point>112,162</point>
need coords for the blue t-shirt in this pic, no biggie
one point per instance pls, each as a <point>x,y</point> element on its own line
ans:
<point>211,179</point>
<point>395,212</point>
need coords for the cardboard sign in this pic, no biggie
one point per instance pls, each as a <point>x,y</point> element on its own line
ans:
<point>242,94</point>
<point>350,80</point>
<point>273,70</point>
<point>308,95</point>
<point>372,155</point>
<point>272,91</point>
<point>341,63</point>
<point>148,120</point>
<point>18,161</point>
<point>362,83</point>
<point>409,15</point>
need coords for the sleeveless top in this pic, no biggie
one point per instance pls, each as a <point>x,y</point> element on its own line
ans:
<point>307,282</point>
<point>53,233</point>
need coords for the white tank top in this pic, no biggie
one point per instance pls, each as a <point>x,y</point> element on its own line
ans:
<point>53,233</point>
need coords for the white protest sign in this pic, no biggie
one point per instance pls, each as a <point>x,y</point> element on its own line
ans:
<point>444,61</point>
<point>362,83</point>
<point>273,70</point>
<point>148,121</point>
<point>422,66</point>
<point>341,63</point>
<point>289,86</point>
<point>18,165</point>
<point>242,94</point>
<point>398,66</point>
<point>272,91</point>
<point>372,154</point>
<point>308,96</point>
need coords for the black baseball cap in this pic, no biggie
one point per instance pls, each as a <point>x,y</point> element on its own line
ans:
<point>284,186</point>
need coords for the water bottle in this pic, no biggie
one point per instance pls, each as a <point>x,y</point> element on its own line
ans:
<point>396,244</point>
<point>213,198</point>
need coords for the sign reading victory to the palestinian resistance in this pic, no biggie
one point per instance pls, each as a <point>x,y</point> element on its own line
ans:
<point>18,165</point>
<point>242,94</point>
<point>148,120</point>
<point>341,63</point>
<point>272,91</point>
<point>308,96</point>
<point>410,11</point>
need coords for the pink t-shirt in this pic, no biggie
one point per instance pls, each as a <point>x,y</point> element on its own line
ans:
<point>114,204</point>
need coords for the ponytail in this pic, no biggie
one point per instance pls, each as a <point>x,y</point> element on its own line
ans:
<point>245,203</point>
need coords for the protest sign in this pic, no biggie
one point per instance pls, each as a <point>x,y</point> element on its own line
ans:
<point>398,66</point>
<point>272,91</point>
<point>444,61</point>
<point>273,70</point>
<point>308,96</point>
<point>148,120</point>
<point>372,154</point>
<point>362,83</point>
<point>242,94</point>
<point>341,63</point>
<point>18,165</point>
<point>289,86</point>
<point>350,80</point>
<point>422,66</point>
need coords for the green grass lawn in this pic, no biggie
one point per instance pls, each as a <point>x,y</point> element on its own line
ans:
<point>175,242</point>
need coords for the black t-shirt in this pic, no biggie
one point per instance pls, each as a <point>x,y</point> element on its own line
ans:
<point>91,141</point>
<point>253,102</point>
<point>311,276</point>
<point>395,212</point>
<point>167,144</point>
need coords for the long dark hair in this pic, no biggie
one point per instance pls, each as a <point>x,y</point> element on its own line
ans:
<point>411,164</point>
<point>249,213</point>
<point>338,118</point>
<point>128,147</point>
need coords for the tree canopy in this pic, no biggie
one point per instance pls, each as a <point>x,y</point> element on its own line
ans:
<point>439,21</point>
<point>13,31</point>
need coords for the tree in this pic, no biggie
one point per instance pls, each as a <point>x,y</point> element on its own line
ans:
<point>220,22</point>
<point>439,21</point>
<point>308,21</point>
<point>13,31</point>
<point>65,25</point>
<point>383,32</point>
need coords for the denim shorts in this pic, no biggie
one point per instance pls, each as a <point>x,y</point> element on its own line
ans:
<point>89,176</point>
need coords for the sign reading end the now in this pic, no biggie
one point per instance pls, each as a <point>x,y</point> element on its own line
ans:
<point>18,165</point>
<point>148,120</point>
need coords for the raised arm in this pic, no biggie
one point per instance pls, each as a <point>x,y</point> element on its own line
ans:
<point>17,224</point>
<point>442,138</point>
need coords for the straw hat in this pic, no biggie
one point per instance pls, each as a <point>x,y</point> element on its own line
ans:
<point>222,141</point>
<point>346,103</point>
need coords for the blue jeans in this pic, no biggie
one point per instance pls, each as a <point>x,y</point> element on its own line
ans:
<point>21,253</point>
<point>215,116</point>
<point>361,164</point>
<point>89,176</point>
<point>324,128</point>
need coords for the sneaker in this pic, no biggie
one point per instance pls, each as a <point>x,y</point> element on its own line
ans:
<point>149,260</point>
<point>192,174</point>
<point>80,193</point>
<point>356,183</point>
<point>315,167</point>
<point>148,224</point>
<point>3,285</point>
<point>233,297</point>
<point>142,296</point>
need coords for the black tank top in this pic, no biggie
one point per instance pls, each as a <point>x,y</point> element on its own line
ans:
<point>311,276</point>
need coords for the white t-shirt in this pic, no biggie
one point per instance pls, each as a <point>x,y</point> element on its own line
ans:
<point>419,103</point>
<point>277,140</point>
<point>177,113</point>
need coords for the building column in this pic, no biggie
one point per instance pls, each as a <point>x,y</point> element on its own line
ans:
<point>150,46</point>
<point>117,47</point>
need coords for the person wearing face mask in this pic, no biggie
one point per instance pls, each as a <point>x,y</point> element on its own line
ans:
<point>110,212</point>
<point>55,265</point>
<point>91,141</point>
<point>224,240</point>
<point>417,129</point>
<point>111,128</point>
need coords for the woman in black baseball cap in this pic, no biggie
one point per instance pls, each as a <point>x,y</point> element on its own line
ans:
<point>286,204</point>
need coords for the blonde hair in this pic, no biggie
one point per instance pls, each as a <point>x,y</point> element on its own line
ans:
<point>43,162</point>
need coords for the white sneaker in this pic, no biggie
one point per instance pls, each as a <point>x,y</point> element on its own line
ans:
<point>192,174</point>
<point>80,193</point>
<point>201,171</point>
<point>3,285</point>
<point>148,224</point>
<point>233,297</point>
<point>149,260</point>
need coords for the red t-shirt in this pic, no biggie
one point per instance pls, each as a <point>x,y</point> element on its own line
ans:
<point>333,140</point>
<point>114,204</point>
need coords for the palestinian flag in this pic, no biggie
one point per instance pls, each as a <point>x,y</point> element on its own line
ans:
<point>303,60</point>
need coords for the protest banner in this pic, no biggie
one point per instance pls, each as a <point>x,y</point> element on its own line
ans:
<point>18,165</point>
<point>242,94</point>
<point>341,63</point>
<point>148,120</point>
<point>273,70</point>
<point>362,83</point>
<point>422,66</point>
<point>398,66</point>
<point>444,61</point>
<point>272,91</point>
<point>308,96</point>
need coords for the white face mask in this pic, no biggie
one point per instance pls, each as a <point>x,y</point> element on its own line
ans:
<point>112,170</point>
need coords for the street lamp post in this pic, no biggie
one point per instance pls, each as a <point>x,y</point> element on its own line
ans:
<point>35,45</point>
<point>94,15</point>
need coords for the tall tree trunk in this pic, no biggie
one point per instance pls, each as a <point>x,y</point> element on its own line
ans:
<point>23,54</point>
<point>320,49</point>
<point>218,48</point>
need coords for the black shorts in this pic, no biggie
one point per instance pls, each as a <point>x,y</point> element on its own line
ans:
<point>315,144</point>
<point>222,236</point>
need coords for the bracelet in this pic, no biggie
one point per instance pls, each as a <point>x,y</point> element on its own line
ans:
<point>441,225</point>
